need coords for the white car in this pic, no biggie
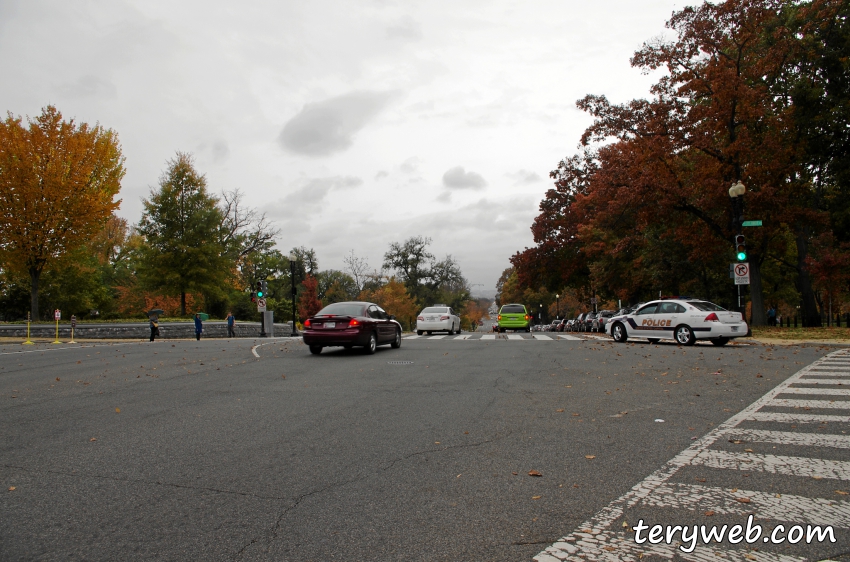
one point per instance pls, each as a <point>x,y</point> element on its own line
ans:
<point>682,320</point>
<point>439,318</point>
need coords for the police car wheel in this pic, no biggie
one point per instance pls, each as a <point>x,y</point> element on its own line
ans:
<point>618,332</point>
<point>653,340</point>
<point>684,335</point>
<point>720,341</point>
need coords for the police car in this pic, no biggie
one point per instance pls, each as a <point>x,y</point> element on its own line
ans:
<point>682,320</point>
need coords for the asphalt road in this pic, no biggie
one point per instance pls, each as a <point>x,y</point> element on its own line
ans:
<point>185,450</point>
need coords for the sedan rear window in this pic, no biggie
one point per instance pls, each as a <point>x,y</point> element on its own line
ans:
<point>513,309</point>
<point>343,309</point>
<point>706,306</point>
<point>435,310</point>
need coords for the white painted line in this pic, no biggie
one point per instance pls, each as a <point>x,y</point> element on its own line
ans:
<point>542,337</point>
<point>809,404</point>
<point>832,367</point>
<point>799,509</point>
<point>488,337</point>
<point>774,464</point>
<point>607,546</point>
<point>573,338</point>
<point>580,545</point>
<point>828,374</point>
<point>463,337</point>
<point>837,381</point>
<point>813,391</point>
<point>515,337</point>
<point>435,337</point>
<point>791,438</point>
<point>411,337</point>
<point>796,418</point>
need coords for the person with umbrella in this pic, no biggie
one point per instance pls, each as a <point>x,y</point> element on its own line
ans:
<point>154,317</point>
<point>199,326</point>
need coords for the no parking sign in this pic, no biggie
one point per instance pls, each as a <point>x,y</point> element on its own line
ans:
<point>742,274</point>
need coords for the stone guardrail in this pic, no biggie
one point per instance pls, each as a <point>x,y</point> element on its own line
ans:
<point>167,330</point>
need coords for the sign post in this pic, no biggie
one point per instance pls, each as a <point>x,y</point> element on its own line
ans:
<point>28,342</point>
<point>57,314</point>
<point>73,325</point>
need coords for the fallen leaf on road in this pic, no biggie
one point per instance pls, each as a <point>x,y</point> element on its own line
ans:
<point>700,479</point>
<point>576,414</point>
<point>817,477</point>
<point>610,548</point>
<point>93,439</point>
<point>11,488</point>
<point>117,410</point>
<point>534,473</point>
<point>709,513</point>
<point>57,378</point>
<point>283,376</point>
<point>743,500</point>
<point>736,441</point>
<point>842,492</point>
<point>748,450</point>
<point>559,411</point>
<point>536,497</point>
<point>590,456</point>
<point>514,473</point>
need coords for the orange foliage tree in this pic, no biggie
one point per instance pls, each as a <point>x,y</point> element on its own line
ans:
<point>58,180</point>
<point>394,298</point>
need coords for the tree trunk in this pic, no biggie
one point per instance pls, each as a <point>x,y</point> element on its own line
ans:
<point>808,306</point>
<point>182,303</point>
<point>759,317</point>
<point>34,276</point>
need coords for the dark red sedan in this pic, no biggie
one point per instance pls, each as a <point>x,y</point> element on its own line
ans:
<point>350,324</point>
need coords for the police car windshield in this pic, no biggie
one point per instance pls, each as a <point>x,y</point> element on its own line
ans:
<point>704,305</point>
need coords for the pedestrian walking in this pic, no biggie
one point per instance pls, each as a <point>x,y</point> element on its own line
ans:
<point>231,322</point>
<point>199,326</point>
<point>771,316</point>
<point>154,328</point>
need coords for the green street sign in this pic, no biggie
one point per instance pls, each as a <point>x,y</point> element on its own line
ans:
<point>751,223</point>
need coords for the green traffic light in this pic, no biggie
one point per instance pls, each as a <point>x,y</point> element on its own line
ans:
<point>742,256</point>
<point>260,293</point>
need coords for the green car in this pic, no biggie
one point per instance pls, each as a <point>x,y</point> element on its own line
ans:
<point>514,317</point>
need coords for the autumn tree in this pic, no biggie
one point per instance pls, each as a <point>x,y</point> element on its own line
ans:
<point>181,226</point>
<point>425,278</point>
<point>58,182</point>
<point>394,298</point>
<point>308,301</point>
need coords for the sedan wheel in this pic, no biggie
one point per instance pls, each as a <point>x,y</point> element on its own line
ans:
<point>372,345</point>
<point>684,335</point>
<point>397,341</point>
<point>653,340</point>
<point>618,332</point>
<point>315,349</point>
<point>720,341</point>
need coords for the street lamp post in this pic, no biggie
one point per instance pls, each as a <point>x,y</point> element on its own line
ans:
<point>557,307</point>
<point>736,197</point>
<point>541,313</point>
<point>294,292</point>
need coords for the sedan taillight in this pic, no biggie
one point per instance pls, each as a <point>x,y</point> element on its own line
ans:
<point>353,322</point>
<point>712,318</point>
<point>307,323</point>
<point>444,317</point>
<point>420,318</point>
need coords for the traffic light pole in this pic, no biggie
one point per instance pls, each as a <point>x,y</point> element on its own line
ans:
<point>294,292</point>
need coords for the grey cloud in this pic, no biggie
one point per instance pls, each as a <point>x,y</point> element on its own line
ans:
<point>406,29</point>
<point>410,165</point>
<point>525,177</point>
<point>89,86</point>
<point>308,198</point>
<point>458,178</point>
<point>329,126</point>
<point>381,175</point>
<point>445,197</point>
<point>220,151</point>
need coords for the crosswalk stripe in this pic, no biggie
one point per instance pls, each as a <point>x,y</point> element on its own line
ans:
<point>795,403</point>
<point>515,337</point>
<point>608,546</point>
<point>791,438</point>
<point>795,418</point>
<point>464,337</point>
<point>601,543</point>
<point>411,337</point>
<point>571,338</point>
<point>542,337</point>
<point>836,374</point>
<point>774,464</point>
<point>824,381</point>
<point>488,337</point>
<point>829,391</point>
<point>435,337</point>
<point>799,509</point>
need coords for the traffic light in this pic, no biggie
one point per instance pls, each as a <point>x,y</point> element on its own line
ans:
<point>253,297</point>
<point>265,289</point>
<point>260,292</point>
<point>740,247</point>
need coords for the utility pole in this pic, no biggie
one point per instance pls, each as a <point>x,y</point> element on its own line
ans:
<point>294,292</point>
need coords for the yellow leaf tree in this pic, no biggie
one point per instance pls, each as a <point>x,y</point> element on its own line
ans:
<point>58,181</point>
<point>394,298</point>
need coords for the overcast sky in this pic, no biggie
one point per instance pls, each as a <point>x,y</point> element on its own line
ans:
<point>351,124</point>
